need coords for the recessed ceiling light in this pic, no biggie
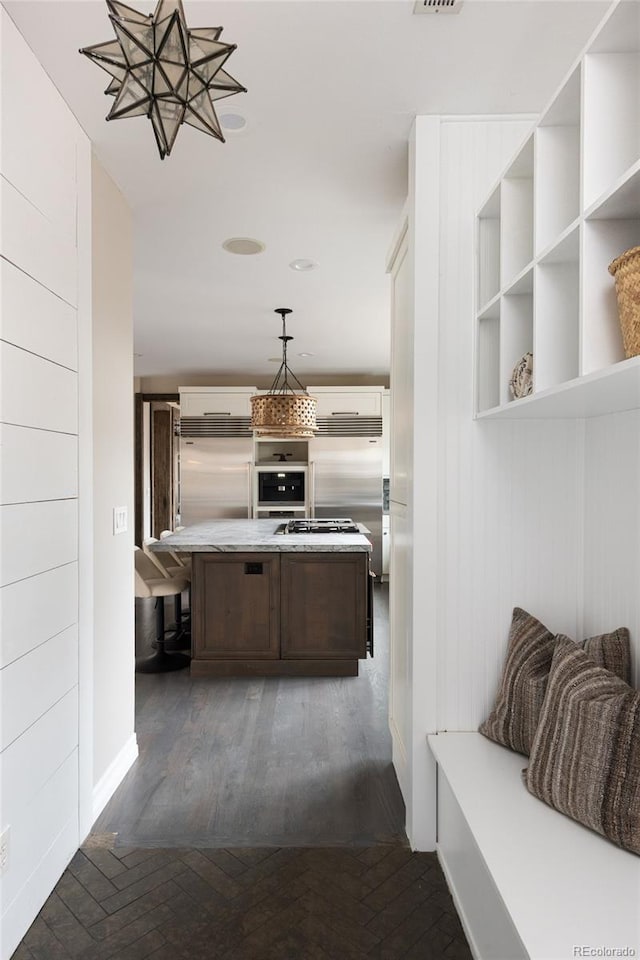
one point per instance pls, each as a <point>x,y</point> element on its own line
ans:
<point>306,354</point>
<point>232,121</point>
<point>243,245</point>
<point>303,265</point>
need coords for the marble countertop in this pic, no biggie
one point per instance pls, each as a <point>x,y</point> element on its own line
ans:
<point>229,536</point>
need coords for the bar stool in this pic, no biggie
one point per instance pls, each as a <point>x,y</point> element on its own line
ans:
<point>149,584</point>
<point>179,559</point>
<point>167,569</point>
<point>170,570</point>
<point>181,566</point>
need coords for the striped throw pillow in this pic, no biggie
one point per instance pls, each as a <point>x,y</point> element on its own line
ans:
<point>516,713</point>
<point>585,758</point>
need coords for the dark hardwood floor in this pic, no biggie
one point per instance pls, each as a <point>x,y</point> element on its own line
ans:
<point>260,762</point>
<point>262,821</point>
<point>356,903</point>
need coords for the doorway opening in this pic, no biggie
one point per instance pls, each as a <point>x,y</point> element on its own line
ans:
<point>156,464</point>
<point>248,761</point>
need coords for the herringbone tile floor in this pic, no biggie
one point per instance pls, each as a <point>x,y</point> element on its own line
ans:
<point>373,903</point>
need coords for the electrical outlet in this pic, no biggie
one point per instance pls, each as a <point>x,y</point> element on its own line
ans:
<point>4,851</point>
<point>119,520</point>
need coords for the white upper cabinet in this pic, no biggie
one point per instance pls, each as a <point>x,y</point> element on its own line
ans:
<point>235,401</point>
<point>348,401</point>
<point>216,401</point>
<point>566,206</point>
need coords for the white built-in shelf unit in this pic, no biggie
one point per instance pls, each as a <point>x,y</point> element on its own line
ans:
<point>567,205</point>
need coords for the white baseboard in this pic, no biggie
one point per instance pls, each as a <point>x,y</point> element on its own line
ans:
<point>114,775</point>
<point>399,759</point>
<point>21,913</point>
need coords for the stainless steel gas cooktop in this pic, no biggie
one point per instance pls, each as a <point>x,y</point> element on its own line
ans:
<point>341,525</point>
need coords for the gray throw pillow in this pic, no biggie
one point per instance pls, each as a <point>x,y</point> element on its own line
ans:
<point>612,651</point>
<point>516,713</point>
<point>585,757</point>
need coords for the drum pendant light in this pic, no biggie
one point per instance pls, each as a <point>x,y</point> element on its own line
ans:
<point>284,412</point>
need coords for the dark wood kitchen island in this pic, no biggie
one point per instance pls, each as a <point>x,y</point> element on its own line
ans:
<point>271,604</point>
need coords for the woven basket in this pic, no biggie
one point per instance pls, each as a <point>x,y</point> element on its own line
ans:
<point>626,270</point>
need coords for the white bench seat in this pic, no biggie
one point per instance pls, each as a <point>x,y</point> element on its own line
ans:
<point>529,883</point>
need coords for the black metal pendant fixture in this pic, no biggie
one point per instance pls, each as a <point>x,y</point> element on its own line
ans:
<point>286,411</point>
<point>164,71</point>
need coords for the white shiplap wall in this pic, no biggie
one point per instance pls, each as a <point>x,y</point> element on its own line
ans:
<point>513,526</point>
<point>541,514</point>
<point>43,154</point>
<point>612,527</point>
<point>440,530</point>
<point>509,493</point>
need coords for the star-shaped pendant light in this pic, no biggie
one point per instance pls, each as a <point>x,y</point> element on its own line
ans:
<point>164,71</point>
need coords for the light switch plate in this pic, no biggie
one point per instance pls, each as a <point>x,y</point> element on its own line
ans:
<point>119,520</point>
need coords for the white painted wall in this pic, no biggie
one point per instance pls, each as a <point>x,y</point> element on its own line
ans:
<point>400,526</point>
<point>612,527</point>
<point>114,741</point>
<point>44,161</point>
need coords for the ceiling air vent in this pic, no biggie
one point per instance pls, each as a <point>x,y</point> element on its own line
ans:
<point>437,6</point>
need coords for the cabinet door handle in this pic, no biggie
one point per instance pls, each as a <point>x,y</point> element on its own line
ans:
<point>311,495</point>
<point>217,413</point>
<point>345,413</point>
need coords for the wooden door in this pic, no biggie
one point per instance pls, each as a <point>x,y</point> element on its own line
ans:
<point>162,470</point>
<point>236,601</point>
<point>324,605</point>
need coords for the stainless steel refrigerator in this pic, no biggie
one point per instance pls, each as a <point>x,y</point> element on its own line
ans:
<point>215,478</point>
<point>346,481</point>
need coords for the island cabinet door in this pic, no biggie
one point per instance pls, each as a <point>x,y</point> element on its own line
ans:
<point>236,606</point>
<point>324,605</point>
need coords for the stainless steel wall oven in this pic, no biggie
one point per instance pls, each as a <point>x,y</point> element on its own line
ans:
<point>282,486</point>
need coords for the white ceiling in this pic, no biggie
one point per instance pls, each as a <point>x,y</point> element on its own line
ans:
<point>319,171</point>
